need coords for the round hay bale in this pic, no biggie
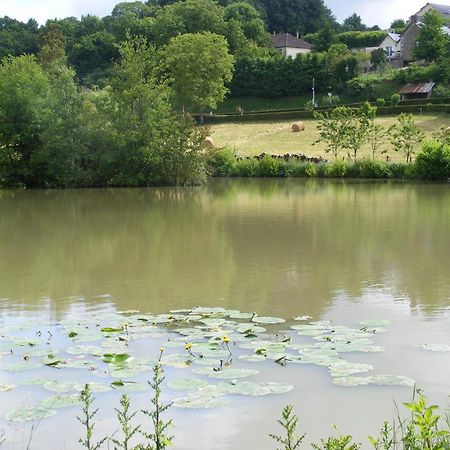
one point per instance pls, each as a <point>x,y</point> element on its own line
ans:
<point>297,127</point>
<point>208,142</point>
<point>447,130</point>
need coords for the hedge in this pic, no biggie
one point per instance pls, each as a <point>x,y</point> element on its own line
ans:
<point>302,114</point>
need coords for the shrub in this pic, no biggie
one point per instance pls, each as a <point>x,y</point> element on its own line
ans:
<point>395,99</point>
<point>337,169</point>
<point>368,168</point>
<point>380,101</point>
<point>433,161</point>
<point>220,162</point>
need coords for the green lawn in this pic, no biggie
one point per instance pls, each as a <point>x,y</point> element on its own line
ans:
<point>277,138</point>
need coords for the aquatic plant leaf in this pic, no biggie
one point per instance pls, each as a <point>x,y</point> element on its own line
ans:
<point>26,414</point>
<point>253,389</point>
<point>63,386</point>
<point>374,323</point>
<point>392,380</point>
<point>252,358</point>
<point>351,381</point>
<point>226,373</point>
<point>241,315</point>
<point>80,364</point>
<point>21,366</point>
<point>187,384</point>
<point>129,386</point>
<point>200,402</point>
<point>85,350</point>
<point>268,320</point>
<point>344,368</point>
<point>61,401</point>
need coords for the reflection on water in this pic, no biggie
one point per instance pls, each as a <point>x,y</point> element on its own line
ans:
<point>272,245</point>
<point>344,251</point>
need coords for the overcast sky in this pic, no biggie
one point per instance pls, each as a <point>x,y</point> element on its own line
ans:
<point>373,12</point>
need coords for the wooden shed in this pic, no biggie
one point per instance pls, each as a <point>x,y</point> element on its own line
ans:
<point>413,91</point>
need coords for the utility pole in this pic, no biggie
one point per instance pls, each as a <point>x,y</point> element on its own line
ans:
<point>314,93</point>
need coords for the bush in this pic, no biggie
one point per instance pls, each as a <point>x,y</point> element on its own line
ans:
<point>380,101</point>
<point>395,99</point>
<point>433,161</point>
<point>368,168</point>
<point>221,162</point>
<point>338,169</point>
<point>442,91</point>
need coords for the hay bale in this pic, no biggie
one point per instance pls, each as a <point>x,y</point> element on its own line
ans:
<point>208,142</point>
<point>297,127</point>
<point>447,130</point>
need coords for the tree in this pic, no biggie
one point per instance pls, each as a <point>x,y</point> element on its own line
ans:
<point>52,46</point>
<point>353,23</point>
<point>189,16</point>
<point>378,58</point>
<point>431,40</point>
<point>24,89</point>
<point>200,66</point>
<point>355,125</point>
<point>398,25</point>
<point>332,127</point>
<point>376,134</point>
<point>18,38</point>
<point>406,135</point>
<point>145,143</point>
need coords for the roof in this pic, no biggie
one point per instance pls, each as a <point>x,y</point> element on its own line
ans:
<point>394,36</point>
<point>443,9</point>
<point>282,40</point>
<point>421,88</point>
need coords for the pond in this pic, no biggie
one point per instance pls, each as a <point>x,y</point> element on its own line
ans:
<point>84,273</point>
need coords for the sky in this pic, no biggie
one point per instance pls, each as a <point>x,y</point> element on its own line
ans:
<point>372,12</point>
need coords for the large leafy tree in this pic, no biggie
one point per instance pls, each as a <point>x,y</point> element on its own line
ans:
<point>189,16</point>
<point>24,89</point>
<point>431,40</point>
<point>18,38</point>
<point>200,66</point>
<point>304,16</point>
<point>353,23</point>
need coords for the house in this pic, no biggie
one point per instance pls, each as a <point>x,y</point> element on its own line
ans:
<point>391,45</point>
<point>414,91</point>
<point>408,39</point>
<point>289,45</point>
<point>444,10</point>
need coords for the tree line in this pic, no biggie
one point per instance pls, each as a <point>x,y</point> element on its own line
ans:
<point>54,133</point>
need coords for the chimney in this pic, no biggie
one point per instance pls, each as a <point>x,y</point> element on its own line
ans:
<point>298,34</point>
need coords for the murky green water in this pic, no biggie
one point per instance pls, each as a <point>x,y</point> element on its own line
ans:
<point>340,251</point>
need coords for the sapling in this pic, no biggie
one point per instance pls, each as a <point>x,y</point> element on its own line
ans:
<point>128,431</point>
<point>289,422</point>
<point>86,420</point>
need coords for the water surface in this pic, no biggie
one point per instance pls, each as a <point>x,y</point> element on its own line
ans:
<point>343,251</point>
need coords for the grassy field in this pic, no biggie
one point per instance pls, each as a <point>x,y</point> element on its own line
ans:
<point>249,139</point>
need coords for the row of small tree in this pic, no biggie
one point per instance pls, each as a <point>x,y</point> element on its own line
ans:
<point>345,129</point>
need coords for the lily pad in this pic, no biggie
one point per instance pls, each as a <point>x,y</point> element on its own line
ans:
<point>21,366</point>
<point>187,384</point>
<point>85,350</point>
<point>226,373</point>
<point>344,368</point>
<point>29,414</point>
<point>63,386</point>
<point>200,402</point>
<point>268,320</point>
<point>129,386</point>
<point>61,401</point>
<point>254,389</point>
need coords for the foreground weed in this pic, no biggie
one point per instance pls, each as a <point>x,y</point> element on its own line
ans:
<point>128,431</point>
<point>387,439</point>
<point>342,442</point>
<point>87,420</point>
<point>423,431</point>
<point>159,440</point>
<point>289,422</point>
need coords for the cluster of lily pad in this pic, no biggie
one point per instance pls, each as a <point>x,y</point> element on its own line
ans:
<point>220,349</point>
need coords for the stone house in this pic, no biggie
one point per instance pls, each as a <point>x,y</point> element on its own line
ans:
<point>289,45</point>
